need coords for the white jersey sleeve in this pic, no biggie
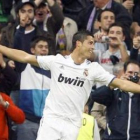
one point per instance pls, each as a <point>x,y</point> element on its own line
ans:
<point>45,61</point>
<point>99,74</point>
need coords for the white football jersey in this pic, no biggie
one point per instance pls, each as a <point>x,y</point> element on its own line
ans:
<point>71,85</point>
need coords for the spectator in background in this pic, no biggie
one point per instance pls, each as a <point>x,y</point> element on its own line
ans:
<point>122,108</point>
<point>88,18</point>
<point>23,33</point>
<point>116,52</point>
<point>48,16</point>
<point>128,4</point>
<point>105,19</point>
<point>72,8</point>
<point>5,9</point>
<point>135,32</point>
<point>99,110</point>
<point>7,107</point>
<point>89,129</point>
<point>65,34</point>
<point>34,91</point>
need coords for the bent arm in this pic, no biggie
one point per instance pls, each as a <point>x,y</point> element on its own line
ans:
<point>125,85</point>
<point>18,55</point>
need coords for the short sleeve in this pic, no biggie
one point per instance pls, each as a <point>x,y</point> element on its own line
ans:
<point>45,62</point>
<point>101,75</point>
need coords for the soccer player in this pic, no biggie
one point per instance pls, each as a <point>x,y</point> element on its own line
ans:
<point>72,78</point>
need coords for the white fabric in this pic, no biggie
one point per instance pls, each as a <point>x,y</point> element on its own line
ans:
<point>70,86</point>
<point>57,129</point>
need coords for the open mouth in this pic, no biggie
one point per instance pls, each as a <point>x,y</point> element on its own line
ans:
<point>40,14</point>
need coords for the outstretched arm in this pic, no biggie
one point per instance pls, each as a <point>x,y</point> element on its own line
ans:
<point>18,55</point>
<point>126,85</point>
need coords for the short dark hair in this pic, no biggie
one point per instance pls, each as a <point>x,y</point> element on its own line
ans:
<point>100,14</point>
<point>36,39</point>
<point>131,62</point>
<point>118,24</point>
<point>80,36</point>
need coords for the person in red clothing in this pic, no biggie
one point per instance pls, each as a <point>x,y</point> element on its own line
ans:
<point>7,108</point>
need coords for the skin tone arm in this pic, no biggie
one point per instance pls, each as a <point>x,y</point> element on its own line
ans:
<point>19,55</point>
<point>125,85</point>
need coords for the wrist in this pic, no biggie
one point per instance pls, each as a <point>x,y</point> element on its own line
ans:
<point>6,104</point>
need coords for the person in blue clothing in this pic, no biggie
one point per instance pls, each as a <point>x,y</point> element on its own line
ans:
<point>122,108</point>
<point>34,88</point>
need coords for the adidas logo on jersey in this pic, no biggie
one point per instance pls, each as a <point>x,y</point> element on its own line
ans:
<point>61,67</point>
<point>67,80</point>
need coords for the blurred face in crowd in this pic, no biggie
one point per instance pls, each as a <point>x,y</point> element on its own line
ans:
<point>107,18</point>
<point>100,3</point>
<point>131,69</point>
<point>41,12</point>
<point>60,3</point>
<point>114,33</point>
<point>26,14</point>
<point>137,31</point>
<point>41,48</point>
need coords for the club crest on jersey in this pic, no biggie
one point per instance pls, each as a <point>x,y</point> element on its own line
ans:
<point>85,72</point>
<point>76,82</point>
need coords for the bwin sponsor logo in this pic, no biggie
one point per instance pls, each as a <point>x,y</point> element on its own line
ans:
<point>68,80</point>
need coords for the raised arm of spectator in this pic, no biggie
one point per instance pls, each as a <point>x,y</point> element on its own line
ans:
<point>135,50</point>
<point>55,22</point>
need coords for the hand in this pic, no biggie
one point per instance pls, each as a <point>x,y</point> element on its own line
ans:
<point>2,62</point>
<point>115,41</point>
<point>11,63</point>
<point>24,20</point>
<point>96,25</point>
<point>124,77</point>
<point>98,36</point>
<point>128,4</point>
<point>136,42</point>
<point>2,102</point>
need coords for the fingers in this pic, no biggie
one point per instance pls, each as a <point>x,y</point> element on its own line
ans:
<point>98,36</point>
<point>24,21</point>
<point>11,64</point>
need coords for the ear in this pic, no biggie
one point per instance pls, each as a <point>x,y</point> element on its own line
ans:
<point>32,50</point>
<point>123,38</point>
<point>78,43</point>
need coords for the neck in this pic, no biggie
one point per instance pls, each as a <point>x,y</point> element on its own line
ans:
<point>113,49</point>
<point>77,58</point>
<point>30,27</point>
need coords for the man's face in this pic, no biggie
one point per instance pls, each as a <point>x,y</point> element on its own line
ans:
<point>107,18</point>
<point>41,48</point>
<point>100,3</point>
<point>26,14</point>
<point>86,48</point>
<point>115,34</point>
<point>41,13</point>
<point>131,70</point>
